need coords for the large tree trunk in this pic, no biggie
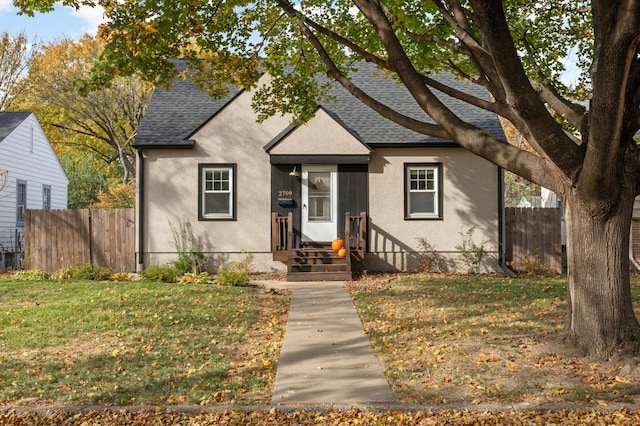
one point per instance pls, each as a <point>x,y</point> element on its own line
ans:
<point>600,318</point>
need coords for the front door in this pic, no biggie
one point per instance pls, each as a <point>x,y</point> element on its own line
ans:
<point>319,202</point>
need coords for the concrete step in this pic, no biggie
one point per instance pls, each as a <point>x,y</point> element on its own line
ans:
<point>318,276</point>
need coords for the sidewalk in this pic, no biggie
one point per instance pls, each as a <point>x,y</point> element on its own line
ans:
<point>326,357</point>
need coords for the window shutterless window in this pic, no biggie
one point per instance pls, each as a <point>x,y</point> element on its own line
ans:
<point>217,191</point>
<point>21,201</point>
<point>423,191</point>
<point>46,197</point>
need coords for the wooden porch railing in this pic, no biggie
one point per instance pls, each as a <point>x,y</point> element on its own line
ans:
<point>281,235</point>
<point>355,235</point>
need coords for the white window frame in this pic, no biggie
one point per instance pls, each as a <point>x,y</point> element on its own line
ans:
<point>207,186</point>
<point>435,169</point>
<point>46,197</point>
<point>21,205</point>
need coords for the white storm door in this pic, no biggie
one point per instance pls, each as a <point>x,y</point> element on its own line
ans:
<point>319,202</point>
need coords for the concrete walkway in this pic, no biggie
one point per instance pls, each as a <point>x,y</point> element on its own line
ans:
<point>326,357</point>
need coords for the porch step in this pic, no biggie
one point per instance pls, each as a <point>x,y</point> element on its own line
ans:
<point>318,276</point>
<point>318,264</point>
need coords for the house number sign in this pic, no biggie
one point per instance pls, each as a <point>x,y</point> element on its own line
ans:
<point>288,193</point>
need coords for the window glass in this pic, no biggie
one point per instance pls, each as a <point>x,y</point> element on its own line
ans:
<point>217,192</point>
<point>46,197</point>
<point>21,201</point>
<point>319,196</point>
<point>422,196</point>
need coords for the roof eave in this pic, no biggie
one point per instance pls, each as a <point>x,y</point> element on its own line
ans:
<point>427,144</point>
<point>185,144</point>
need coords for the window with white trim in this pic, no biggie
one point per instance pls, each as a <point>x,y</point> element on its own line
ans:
<point>217,191</point>
<point>46,197</point>
<point>423,191</point>
<point>21,201</point>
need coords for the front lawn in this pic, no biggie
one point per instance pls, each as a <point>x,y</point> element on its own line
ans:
<point>66,342</point>
<point>450,342</point>
<point>482,340</point>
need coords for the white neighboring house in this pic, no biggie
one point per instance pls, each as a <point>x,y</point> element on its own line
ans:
<point>31,177</point>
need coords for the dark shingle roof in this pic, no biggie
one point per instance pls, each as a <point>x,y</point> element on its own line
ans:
<point>9,121</point>
<point>377,130</point>
<point>172,116</point>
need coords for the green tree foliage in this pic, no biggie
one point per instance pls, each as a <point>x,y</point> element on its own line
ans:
<point>103,121</point>
<point>516,50</point>
<point>86,180</point>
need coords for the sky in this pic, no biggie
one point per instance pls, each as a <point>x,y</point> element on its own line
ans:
<point>53,26</point>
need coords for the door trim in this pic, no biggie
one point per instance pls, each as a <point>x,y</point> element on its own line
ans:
<point>319,230</point>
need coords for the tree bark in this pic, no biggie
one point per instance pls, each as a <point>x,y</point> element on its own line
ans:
<point>600,319</point>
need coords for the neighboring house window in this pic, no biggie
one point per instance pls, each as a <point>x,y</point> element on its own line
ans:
<point>21,201</point>
<point>46,197</point>
<point>423,191</point>
<point>217,191</point>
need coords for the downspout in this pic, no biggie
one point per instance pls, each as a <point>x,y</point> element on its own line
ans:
<point>501,229</point>
<point>140,266</point>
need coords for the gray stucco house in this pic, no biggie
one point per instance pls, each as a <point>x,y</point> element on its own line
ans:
<point>281,192</point>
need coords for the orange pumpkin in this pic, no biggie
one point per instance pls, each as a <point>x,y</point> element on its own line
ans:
<point>337,244</point>
<point>342,252</point>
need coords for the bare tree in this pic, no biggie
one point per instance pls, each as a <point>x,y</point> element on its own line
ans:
<point>16,54</point>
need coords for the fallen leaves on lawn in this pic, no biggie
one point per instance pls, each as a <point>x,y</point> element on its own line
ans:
<point>159,417</point>
<point>480,340</point>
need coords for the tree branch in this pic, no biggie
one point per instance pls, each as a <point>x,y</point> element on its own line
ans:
<point>337,75</point>
<point>479,56</point>
<point>616,49</point>
<point>547,134</point>
<point>573,113</point>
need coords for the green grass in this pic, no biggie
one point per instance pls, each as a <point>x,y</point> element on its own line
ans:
<point>136,343</point>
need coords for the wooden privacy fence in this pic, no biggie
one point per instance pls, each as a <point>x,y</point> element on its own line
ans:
<point>55,239</point>
<point>533,235</point>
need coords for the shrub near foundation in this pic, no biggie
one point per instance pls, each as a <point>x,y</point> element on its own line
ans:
<point>161,273</point>
<point>86,271</point>
<point>471,254</point>
<point>236,273</point>
<point>233,275</point>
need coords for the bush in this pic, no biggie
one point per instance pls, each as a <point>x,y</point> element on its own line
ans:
<point>236,273</point>
<point>85,271</point>
<point>429,259</point>
<point>30,275</point>
<point>162,273</point>
<point>471,253</point>
<point>188,263</point>
<point>189,248</point>
<point>191,278</point>
<point>122,276</point>
<point>535,266</point>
